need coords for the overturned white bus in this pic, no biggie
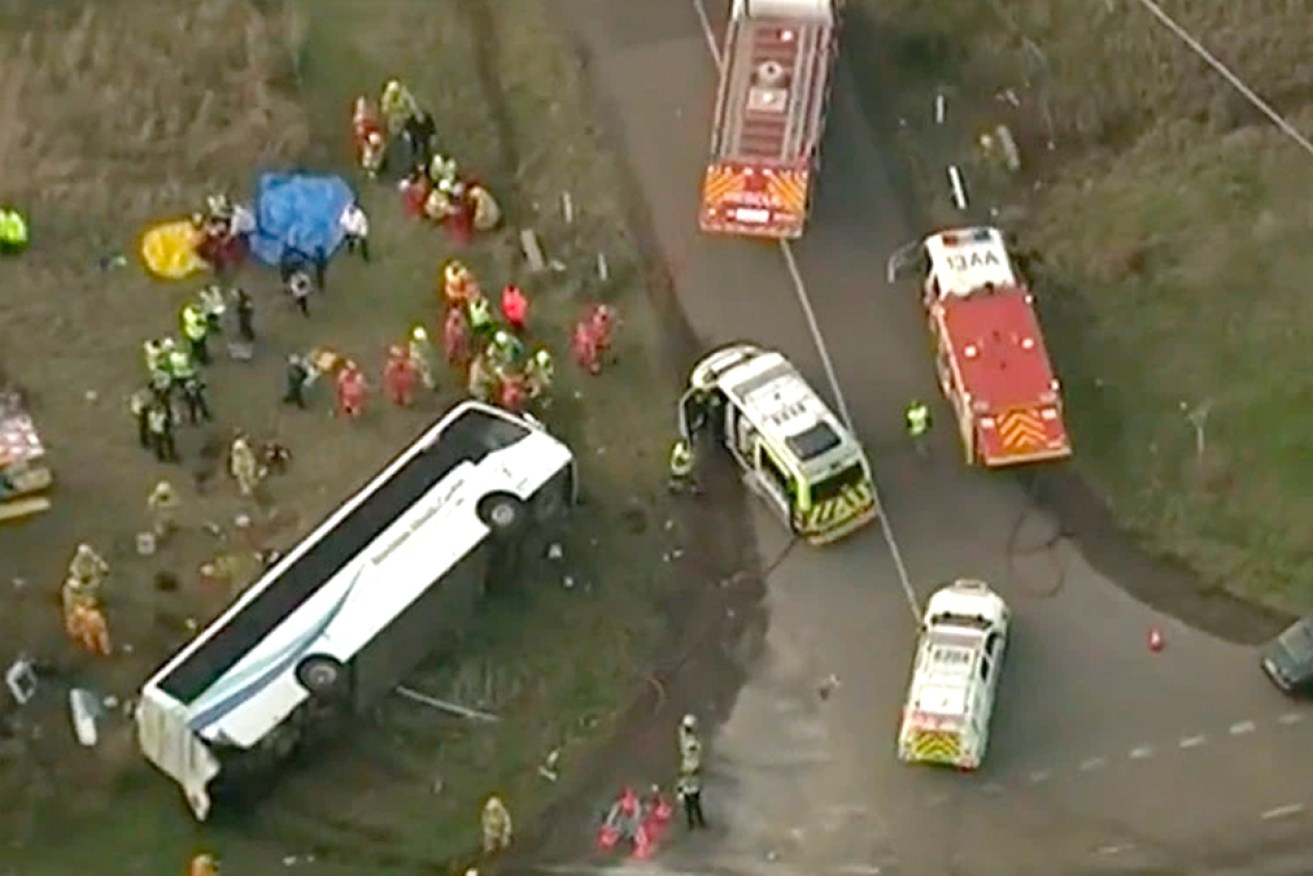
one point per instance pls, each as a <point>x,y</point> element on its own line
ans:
<point>390,576</point>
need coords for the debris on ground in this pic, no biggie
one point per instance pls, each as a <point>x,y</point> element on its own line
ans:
<point>85,709</point>
<point>21,680</point>
<point>548,768</point>
<point>446,706</point>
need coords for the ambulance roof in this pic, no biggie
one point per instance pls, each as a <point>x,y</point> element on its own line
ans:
<point>965,260</point>
<point>945,671</point>
<point>778,401</point>
<point>999,350</point>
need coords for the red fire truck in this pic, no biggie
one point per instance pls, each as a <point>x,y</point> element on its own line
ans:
<point>990,355</point>
<point>770,113</point>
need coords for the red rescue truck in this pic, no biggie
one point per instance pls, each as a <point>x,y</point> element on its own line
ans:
<point>775,78</point>
<point>990,355</point>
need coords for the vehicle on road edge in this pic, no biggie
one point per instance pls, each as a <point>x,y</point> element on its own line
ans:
<point>791,449</point>
<point>775,80</point>
<point>955,674</point>
<point>990,356</point>
<point>1288,659</point>
<point>387,579</point>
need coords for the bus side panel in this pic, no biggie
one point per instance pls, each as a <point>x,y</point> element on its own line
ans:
<point>431,625</point>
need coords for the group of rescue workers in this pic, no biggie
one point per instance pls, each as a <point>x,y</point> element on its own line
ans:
<point>501,359</point>
<point>433,186</point>
<point>495,822</point>
<point>494,349</point>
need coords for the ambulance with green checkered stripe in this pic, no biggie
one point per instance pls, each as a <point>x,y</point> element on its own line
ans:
<point>959,656</point>
<point>790,448</point>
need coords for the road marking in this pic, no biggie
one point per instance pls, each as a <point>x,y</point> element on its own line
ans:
<point>1242,727</point>
<point>991,788</point>
<point>1039,776</point>
<point>1283,811</point>
<point>1142,753</point>
<point>858,869</point>
<point>1192,741</point>
<point>804,301</point>
<point>1093,763</point>
<point>1290,718</point>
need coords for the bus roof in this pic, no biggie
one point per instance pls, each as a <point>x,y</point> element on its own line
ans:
<point>999,350</point>
<point>391,507</point>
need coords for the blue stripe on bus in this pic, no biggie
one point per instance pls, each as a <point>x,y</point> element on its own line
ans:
<point>222,699</point>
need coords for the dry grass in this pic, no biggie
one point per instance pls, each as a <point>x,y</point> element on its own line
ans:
<point>1179,276</point>
<point>105,114</point>
<point>507,99</point>
<point>1173,226</point>
<point>1107,68</point>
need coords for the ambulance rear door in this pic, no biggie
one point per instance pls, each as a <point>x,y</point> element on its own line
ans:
<point>774,483</point>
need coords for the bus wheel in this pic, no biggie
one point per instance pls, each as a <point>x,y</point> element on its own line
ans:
<point>320,674</point>
<point>502,513</point>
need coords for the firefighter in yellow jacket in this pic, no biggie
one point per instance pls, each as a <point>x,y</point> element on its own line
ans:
<point>397,105</point>
<point>162,506</point>
<point>203,865</point>
<point>496,824</point>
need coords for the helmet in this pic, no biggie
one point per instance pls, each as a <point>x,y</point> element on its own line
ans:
<point>392,86</point>
<point>418,333</point>
<point>501,338</point>
<point>690,721</point>
<point>542,357</point>
<point>294,359</point>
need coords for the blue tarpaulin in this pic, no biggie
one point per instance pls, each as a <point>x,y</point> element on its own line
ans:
<point>298,213</point>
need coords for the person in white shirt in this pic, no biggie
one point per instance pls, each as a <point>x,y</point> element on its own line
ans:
<point>355,224</point>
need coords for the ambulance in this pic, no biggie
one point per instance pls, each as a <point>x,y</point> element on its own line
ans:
<point>791,449</point>
<point>959,658</point>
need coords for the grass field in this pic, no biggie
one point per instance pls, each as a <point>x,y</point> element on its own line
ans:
<point>140,114</point>
<point>1169,219</point>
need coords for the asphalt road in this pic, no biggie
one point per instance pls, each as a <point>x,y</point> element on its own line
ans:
<point>1104,757</point>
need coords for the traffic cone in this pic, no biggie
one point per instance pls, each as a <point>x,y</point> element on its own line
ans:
<point>1155,640</point>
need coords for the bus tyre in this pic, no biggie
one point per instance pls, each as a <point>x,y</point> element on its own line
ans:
<point>321,675</point>
<point>501,513</point>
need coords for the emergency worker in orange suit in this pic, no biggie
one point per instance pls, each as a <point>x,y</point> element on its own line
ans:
<point>414,194</point>
<point>458,284</point>
<point>351,391</point>
<point>86,625</point>
<point>400,376</point>
<point>601,319</point>
<point>369,137</point>
<point>511,393</point>
<point>514,308</point>
<point>456,337</point>
<point>583,344</point>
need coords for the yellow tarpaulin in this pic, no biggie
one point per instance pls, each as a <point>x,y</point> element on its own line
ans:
<point>169,250</point>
